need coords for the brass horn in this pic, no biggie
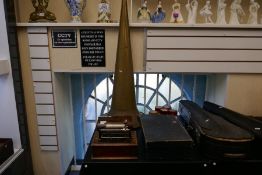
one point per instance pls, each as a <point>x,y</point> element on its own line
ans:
<point>123,98</point>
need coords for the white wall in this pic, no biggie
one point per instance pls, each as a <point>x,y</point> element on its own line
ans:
<point>8,112</point>
<point>216,88</point>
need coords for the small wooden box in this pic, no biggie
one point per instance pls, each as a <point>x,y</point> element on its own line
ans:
<point>114,150</point>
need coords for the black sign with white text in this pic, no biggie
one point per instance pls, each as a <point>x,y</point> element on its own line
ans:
<point>64,38</point>
<point>92,47</point>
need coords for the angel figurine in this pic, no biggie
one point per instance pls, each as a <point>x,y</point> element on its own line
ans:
<point>159,15</point>
<point>206,12</point>
<point>143,14</point>
<point>104,14</point>
<point>253,9</point>
<point>176,16</point>
<point>236,12</point>
<point>192,11</point>
<point>221,12</point>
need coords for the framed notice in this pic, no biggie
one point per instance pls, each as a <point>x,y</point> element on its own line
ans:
<point>92,43</point>
<point>64,38</point>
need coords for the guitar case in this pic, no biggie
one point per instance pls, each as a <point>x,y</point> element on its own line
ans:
<point>214,136</point>
<point>250,123</point>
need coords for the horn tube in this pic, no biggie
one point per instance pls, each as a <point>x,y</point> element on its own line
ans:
<point>123,98</point>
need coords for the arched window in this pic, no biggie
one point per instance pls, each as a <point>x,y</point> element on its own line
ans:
<point>151,90</point>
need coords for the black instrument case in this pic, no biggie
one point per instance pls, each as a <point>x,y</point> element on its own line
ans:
<point>214,136</point>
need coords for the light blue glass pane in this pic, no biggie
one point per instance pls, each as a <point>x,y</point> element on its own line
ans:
<point>99,108</point>
<point>110,87</point>
<point>140,108</point>
<point>146,111</point>
<point>141,79</point>
<point>101,92</point>
<point>149,94</point>
<point>105,111</point>
<point>135,75</point>
<point>161,101</point>
<point>90,127</point>
<point>175,105</point>
<point>90,109</point>
<point>175,91</point>
<point>164,88</point>
<point>152,104</point>
<point>141,95</point>
<point>151,80</point>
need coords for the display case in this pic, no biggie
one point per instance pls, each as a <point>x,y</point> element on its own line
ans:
<point>250,16</point>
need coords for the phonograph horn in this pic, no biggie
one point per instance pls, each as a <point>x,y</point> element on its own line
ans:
<point>123,98</point>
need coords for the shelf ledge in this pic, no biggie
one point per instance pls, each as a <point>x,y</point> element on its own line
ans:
<point>10,160</point>
<point>142,25</point>
<point>67,24</point>
<point>4,67</point>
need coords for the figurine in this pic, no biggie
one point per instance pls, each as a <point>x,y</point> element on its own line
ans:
<point>143,14</point>
<point>159,15</point>
<point>206,12</point>
<point>253,9</point>
<point>176,16</point>
<point>192,11</point>
<point>41,14</point>
<point>236,11</point>
<point>221,12</point>
<point>104,13</point>
<point>76,8</point>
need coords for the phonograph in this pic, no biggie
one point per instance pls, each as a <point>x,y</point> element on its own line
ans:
<point>115,135</point>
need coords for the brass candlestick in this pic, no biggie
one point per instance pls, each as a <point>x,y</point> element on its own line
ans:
<point>41,14</point>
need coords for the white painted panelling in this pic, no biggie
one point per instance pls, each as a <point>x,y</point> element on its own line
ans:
<point>205,67</point>
<point>37,29</point>
<point>49,148</point>
<point>48,140</point>
<point>204,42</point>
<point>39,52</point>
<point>40,64</point>
<point>206,55</point>
<point>46,120</point>
<point>40,87</point>
<point>44,99</point>
<point>203,32</point>
<point>4,67</point>
<point>45,109</point>
<point>38,39</point>
<point>42,76</point>
<point>47,130</point>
